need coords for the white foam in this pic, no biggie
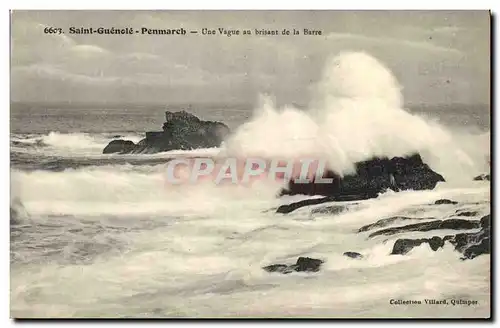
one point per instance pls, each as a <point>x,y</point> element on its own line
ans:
<point>357,114</point>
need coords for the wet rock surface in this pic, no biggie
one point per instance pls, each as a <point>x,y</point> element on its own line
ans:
<point>482,177</point>
<point>303,264</point>
<point>119,146</point>
<point>454,224</point>
<point>371,178</point>
<point>288,208</point>
<point>329,210</point>
<point>353,255</point>
<point>181,131</point>
<point>445,201</point>
<point>385,222</point>
<point>470,244</point>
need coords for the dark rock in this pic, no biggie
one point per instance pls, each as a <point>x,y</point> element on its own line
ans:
<point>182,131</point>
<point>478,249</point>
<point>371,178</point>
<point>403,246</point>
<point>307,264</point>
<point>119,146</point>
<point>482,177</point>
<point>328,210</point>
<point>284,209</point>
<point>353,255</point>
<point>445,201</point>
<point>454,224</point>
<point>470,244</point>
<point>281,268</point>
<point>304,264</point>
<point>485,221</point>
<point>469,213</point>
<point>385,222</point>
<point>477,242</point>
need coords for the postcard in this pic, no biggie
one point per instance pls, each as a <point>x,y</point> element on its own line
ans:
<point>250,164</point>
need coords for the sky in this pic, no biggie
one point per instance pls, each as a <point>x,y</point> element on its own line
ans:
<point>438,57</point>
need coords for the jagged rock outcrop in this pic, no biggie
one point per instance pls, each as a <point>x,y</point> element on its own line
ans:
<point>181,131</point>
<point>372,177</point>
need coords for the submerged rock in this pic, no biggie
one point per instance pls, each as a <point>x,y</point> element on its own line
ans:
<point>304,264</point>
<point>403,246</point>
<point>385,222</point>
<point>119,146</point>
<point>18,212</point>
<point>466,213</point>
<point>454,224</point>
<point>445,201</point>
<point>371,178</point>
<point>332,210</point>
<point>470,244</point>
<point>482,177</point>
<point>284,209</point>
<point>353,255</point>
<point>181,131</point>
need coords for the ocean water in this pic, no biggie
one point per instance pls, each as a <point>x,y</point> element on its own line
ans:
<point>96,235</point>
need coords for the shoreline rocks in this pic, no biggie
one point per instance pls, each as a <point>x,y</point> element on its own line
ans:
<point>119,146</point>
<point>450,224</point>
<point>482,177</point>
<point>181,131</point>
<point>371,178</point>
<point>303,264</point>
<point>471,244</point>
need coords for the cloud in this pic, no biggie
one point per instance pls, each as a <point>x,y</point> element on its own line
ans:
<point>427,46</point>
<point>281,65</point>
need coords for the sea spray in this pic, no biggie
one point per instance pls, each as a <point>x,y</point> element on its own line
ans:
<point>356,113</point>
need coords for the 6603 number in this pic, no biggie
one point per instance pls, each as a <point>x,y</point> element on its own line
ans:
<point>52,30</point>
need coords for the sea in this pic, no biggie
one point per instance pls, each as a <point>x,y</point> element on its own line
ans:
<point>106,236</point>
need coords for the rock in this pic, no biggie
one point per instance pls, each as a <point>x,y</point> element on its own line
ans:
<point>475,243</point>
<point>467,213</point>
<point>454,224</point>
<point>304,264</point>
<point>371,178</point>
<point>329,210</point>
<point>470,244</point>
<point>385,222</point>
<point>119,146</point>
<point>281,268</point>
<point>403,246</point>
<point>478,249</point>
<point>485,222</point>
<point>181,131</point>
<point>482,177</point>
<point>284,209</point>
<point>445,201</point>
<point>353,255</point>
<point>307,264</point>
